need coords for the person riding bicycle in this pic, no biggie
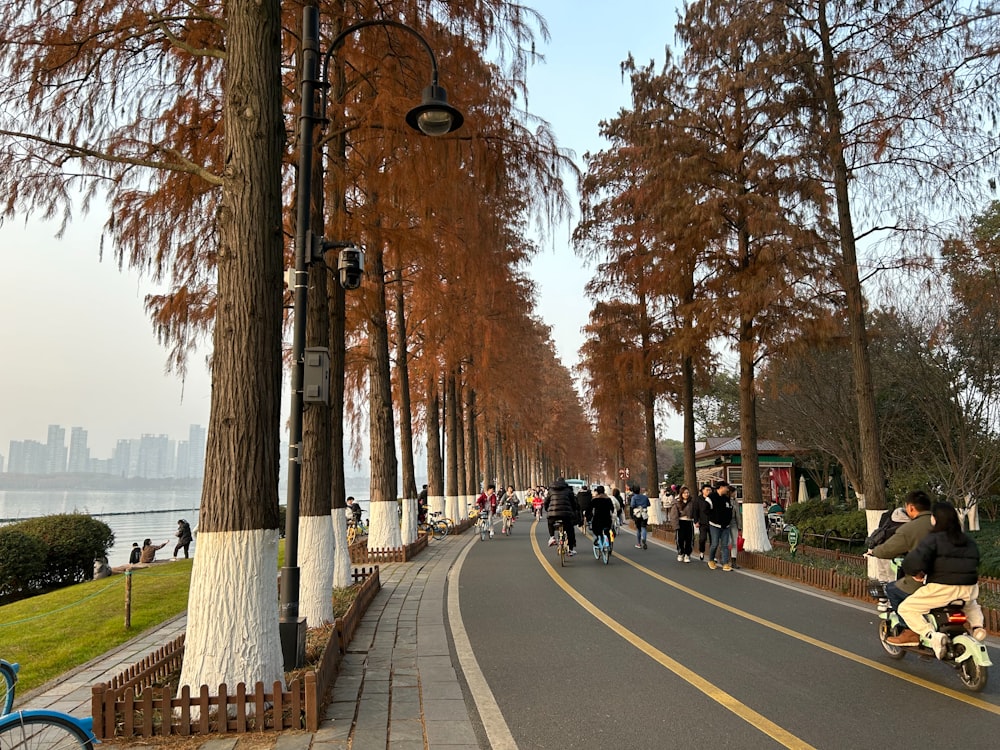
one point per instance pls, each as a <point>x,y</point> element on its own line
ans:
<point>602,511</point>
<point>561,505</point>
<point>511,502</point>
<point>487,503</point>
<point>355,510</point>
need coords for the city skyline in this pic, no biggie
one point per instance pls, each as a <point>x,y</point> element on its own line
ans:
<point>149,456</point>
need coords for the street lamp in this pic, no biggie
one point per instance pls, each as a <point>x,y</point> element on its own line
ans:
<point>433,116</point>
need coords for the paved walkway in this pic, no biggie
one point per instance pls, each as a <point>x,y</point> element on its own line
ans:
<point>397,687</point>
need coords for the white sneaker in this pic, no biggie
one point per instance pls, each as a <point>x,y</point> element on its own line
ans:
<point>939,644</point>
<point>680,558</point>
<point>687,558</point>
<point>552,541</point>
<point>979,634</point>
<point>572,552</point>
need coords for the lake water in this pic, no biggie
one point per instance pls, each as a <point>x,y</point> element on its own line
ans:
<point>132,515</point>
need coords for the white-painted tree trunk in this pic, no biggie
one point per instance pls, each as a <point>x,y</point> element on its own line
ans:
<point>452,509</point>
<point>316,565</point>
<point>232,635</point>
<point>755,528</point>
<point>436,504</point>
<point>383,527</point>
<point>408,530</point>
<point>655,512</point>
<point>880,570</point>
<point>861,505</point>
<point>972,513</point>
<point>341,554</point>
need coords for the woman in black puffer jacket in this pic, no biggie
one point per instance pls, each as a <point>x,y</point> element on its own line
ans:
<point>947,560</point>
<point>561,505</point>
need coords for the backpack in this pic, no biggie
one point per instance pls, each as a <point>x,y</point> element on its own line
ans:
<point>886,528</point>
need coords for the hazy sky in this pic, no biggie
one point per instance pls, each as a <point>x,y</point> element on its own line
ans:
<point>78,349</point>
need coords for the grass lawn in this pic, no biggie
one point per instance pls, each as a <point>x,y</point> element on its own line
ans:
<point>55,632</point>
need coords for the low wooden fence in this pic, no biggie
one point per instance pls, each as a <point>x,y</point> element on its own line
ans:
<point>822,578</point>
<point>360,553</point>
<point>137,703</point>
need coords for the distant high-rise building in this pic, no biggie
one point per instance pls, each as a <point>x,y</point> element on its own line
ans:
<point>196,451</point>
<point>27,457</point>
<point>55,460</point>
<point>1,463</point>
<point>79,453</point>
<point>154,457</point>
<point>121,459</point>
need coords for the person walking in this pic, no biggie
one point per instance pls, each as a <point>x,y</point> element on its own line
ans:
<point>735,529</point>
<point>639,504</point>
<point>720,515</point>
<point>700,517</point>
<point>682,519</point>
<point>184,537</point>
<point>616,496</point>
<point>561,505</point>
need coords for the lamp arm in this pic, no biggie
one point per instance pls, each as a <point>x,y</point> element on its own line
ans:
<point>339,40</point>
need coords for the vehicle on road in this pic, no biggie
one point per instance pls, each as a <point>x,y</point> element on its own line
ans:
<point>963,653</point>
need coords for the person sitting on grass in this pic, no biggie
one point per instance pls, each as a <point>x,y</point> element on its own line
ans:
<point>149,551</point>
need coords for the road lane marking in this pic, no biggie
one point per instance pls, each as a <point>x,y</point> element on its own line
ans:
<point>756,720</point>
<point>490,715</point>
<point>885,669</point>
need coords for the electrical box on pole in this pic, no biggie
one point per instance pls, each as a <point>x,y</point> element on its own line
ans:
<point>316,375</point>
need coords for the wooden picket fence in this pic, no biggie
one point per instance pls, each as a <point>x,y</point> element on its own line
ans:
<point>360,553</point>
<point>135,703</point>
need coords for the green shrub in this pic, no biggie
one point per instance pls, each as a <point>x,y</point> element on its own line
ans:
<point>797,513</point>
<point>72,542</point>
<point>22,562</point>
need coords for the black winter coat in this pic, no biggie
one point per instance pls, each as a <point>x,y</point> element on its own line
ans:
<point>944,561</point>
<point>720,510</point>
<point>561,502</point>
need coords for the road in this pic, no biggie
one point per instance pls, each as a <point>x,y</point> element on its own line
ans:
<point>648,652</point>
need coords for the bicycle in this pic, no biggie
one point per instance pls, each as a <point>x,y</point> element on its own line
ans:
<point>45,730</point>
<point>603,546</point>
<point>562,543</point>
<point>485,532</point>
<point>356,529</point>
<point>433,530</point>
<point>447,524</point>
<point>508,521</point>
<point>8,673</point>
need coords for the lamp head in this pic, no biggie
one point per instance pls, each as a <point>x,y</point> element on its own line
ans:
<point>434,116</point>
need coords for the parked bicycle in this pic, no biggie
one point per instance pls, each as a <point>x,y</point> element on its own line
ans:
<point>8,679</point>
<point>43,729</point>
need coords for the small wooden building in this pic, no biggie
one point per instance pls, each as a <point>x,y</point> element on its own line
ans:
<point>719,458</point>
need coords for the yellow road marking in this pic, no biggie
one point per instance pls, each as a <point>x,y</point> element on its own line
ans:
<point>765,725</point>
<point>918,681</point>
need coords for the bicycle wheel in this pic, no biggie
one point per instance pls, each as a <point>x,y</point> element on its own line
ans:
<point>352,534</point>
<point>8,679</point>
<point>427,530</point>
<point>48,731</point>
<point>606,551</point>
<point>440,529</point>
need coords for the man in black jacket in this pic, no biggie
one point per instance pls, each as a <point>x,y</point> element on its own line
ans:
<point>720,515</point>
<point>561,505</point>
<point>700,517</point>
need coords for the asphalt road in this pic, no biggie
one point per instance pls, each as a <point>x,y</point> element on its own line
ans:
<point>648,652</point>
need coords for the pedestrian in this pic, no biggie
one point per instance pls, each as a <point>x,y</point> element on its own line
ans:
<point>720,515</point>
<point>560,505</point>
<point>149,551</point>
<point>135,554</point>
<point>184,537</point>
<point>616,495</point>
<point>682,519</point>
<point>700,516</point>
<point>584,498</point>
<point>639,504</point>
<point>735,532</point>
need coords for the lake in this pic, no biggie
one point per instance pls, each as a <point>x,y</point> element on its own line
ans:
<point>132,515</point>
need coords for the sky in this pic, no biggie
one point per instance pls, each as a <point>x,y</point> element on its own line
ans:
<point>77,346</point>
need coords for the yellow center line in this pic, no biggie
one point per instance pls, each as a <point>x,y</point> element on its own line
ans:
<point>765,725</point>
<point>918,681</point>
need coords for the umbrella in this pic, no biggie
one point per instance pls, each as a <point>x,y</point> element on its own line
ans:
<point>803,496</point>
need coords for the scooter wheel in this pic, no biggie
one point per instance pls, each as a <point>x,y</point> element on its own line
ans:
<point>973,675</point>
<point>884,631</point>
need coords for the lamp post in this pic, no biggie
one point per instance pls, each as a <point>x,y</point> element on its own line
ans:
<point>433,116</point>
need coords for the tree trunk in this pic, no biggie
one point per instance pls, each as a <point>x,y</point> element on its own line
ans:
<point>435,461</point>
<point>873,477</point>
<point>754,526</point>
<point>408,528</point>
<point>451,442</point>
<point>232,625</point>
<point>383,530</point>
<point>460,500</point>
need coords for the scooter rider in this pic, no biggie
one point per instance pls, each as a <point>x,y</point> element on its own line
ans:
<point>947,561</point>
<point>906,538</point>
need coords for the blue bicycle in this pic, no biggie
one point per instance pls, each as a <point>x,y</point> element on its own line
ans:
<point>8,679</point>
<point>45,730</point>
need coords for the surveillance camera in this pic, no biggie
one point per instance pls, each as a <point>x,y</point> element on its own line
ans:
<point>351,266</point>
